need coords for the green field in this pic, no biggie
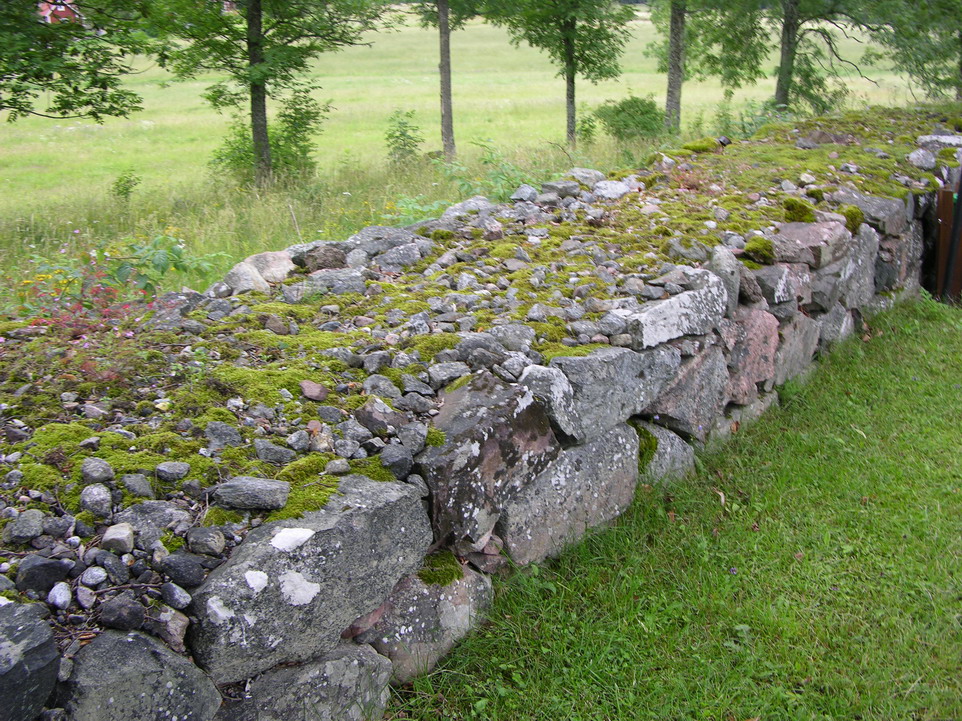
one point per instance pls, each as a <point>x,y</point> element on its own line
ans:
<point>808,571</point>
<point>55,176</point>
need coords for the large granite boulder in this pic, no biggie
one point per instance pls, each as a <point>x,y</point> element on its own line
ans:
<point>587,396</point>
<point>124,676</point>
<point>815,244</point>
<point>797,348</point>
<point>586,486</point>
<point>350,683</point>
<point>887,215</point>
<point>697,395</point>
<point>292,587</point>
<point>422,621</point>
<point>273,266</point>
<point>497,438</point>
<point>28,661</point>
<point>695,311</point>
<point>752,340</point>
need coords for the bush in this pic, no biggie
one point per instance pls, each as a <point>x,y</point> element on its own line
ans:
<point>403,137</point>
<point>633,118</point>
<point>291,137</point>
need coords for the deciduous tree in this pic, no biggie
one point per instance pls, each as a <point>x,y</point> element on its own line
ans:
<point>582,37</point>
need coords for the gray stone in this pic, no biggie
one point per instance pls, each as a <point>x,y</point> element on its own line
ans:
<point>563,188</point>
<point>922,159</point>
<point>119,538</point>
<point>378,418</point>
<point>421,621</point>
<point>208,541</point>
<point>328,280</point>
<point>25,527</point>
<point>251,493</point>
<point>293,586</point>
<point>693,312</point>
<point>146,680</point>
<point>586,397</point>
<point>798,346</point>
<point>586,176</point>
<point>683,249</point>
<point>514,336</point>
<point>170,625</point>
<point>857,280</point>
<point>137,485</point>
<point>725,265</point>
<point>939,142</point>
<point>398,460</point>
<point>776,283</point>
<point>28,661</point>
<point>171,471</point>
<point>96,498</point>
<point>672,459</point>
<point>815,244</point>
<point>525,193</point>
<point>887,215</point>
<point>267,451</point>
<point>123,613</point>
<point>376,239</point>
<point>611,189</point>
<point>244,278</point>
<point>350,683</point>
<point>696,396</point>
<point>586,486</point>
<point>399,257</point>
<point>497,439</point>
<point>175,596</point>
<point>413,436</point>
<point>93,576</point>
<point>184,569</point>
<point>836,325</point>
<point>60,596</point>
<point>273,266</point>
<point>152,519</point>
<point>441,374</point>
<point>36,573</point>
<point>220,435</point>
<point>382,386</point>
<point>96,470</point>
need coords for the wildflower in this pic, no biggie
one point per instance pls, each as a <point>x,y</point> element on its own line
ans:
<point>733,571</point>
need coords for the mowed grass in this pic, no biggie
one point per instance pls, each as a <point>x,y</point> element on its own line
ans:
<point>55,176</point>
<point>810,570</point>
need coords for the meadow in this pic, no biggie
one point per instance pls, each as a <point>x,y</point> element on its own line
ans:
<point>56,177</point>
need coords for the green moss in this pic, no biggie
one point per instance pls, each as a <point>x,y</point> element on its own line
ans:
<point>441,234</point>
<point>284,310</point>
<point>10,325</point>
<point>372,468</point>
<point>430,345</point>
<point>172,542</point>
<point>40,476</point>
<point>503,250</point>
<point>305,469</point>
<point>647,447</point>
<point>702,145</point>
<point>750,264</point>
<point>761,250</point>
<point>65,436</point>
<point>798,211</point>
<point>214,414</point>
<point>854,217</point>
<point>310,488</point>
<point>816,194</point>
<point>221,517</point>
<point>459,383</point>
<point>436,437</point>
<point>441,568</point>
<point>680,153</point>
<point>556,350</point>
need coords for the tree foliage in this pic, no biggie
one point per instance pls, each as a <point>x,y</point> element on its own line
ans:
<point>69,69</point>
<point>582,37</point>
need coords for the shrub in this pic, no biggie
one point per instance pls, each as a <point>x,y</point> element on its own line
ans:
<point>291,139</point>
<point>403,137</point>
<point>633,118</point>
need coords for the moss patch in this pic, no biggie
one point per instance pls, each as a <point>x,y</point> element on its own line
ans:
<point>854,217</point>
<point>441,569</point>
<point>436,437</point>
<point>761,250</point>
<point>798,211</point>
<point>702,145</point>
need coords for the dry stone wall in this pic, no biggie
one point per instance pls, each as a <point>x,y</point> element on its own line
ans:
<point>314,615</point>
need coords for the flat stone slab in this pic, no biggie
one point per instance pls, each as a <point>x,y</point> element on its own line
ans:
<point>292,587</point>
<point>585,487</point>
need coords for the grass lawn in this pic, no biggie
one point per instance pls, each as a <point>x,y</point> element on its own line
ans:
<point>810,570</point>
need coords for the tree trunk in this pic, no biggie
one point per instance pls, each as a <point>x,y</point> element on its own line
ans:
<point>570,66</point>
<point>676,66</point>
<point>444,68</point>
<point>258,92</point>
<point>786,67</point>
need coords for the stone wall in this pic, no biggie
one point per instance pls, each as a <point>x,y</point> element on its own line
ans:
<point>313,616</point>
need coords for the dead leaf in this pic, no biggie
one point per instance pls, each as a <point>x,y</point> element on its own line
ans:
<point>671,516</point>
<point>720,496</point>
<point>799,556</point>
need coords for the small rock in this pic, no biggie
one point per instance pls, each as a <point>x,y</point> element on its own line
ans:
<point>96,498</point>
<point>184,569</point>
<point>313,391</point>
<point>922,159</point>
<point>138,485</point>
<point>208,541</point>
<point>118,538</point>
<point>247,492</point>
<point>60,596</point>
<point>267,451</point>
<point>172,470</point>
<point>338,467</point>
<point>96,470</point>
<point>25,527</point>
<point>93,576</point>
<point>175,596</point>
<point>220,435</point>
<point>36,573</point>
<point>398,460</point>
<point>123,613</point>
